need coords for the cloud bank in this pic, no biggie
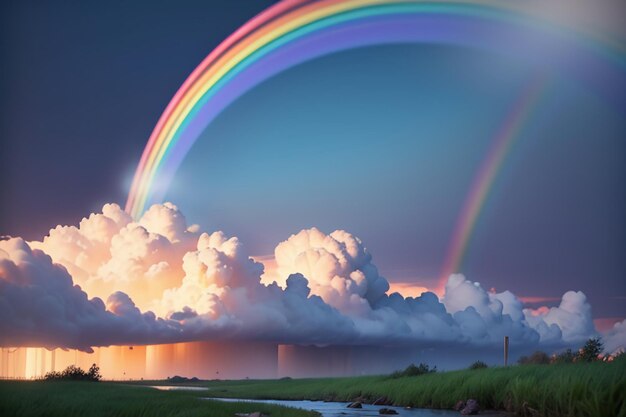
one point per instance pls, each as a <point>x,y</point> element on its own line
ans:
<point>201,286</point>
<point>40,306</point>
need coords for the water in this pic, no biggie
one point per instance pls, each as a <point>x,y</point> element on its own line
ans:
<point>177,388</point>
<point>339,409</point>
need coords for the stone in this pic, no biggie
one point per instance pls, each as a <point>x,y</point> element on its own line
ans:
<point>387,411</point>
<point>459,405</point>
<point>355,404</point>
<point>471,408</point>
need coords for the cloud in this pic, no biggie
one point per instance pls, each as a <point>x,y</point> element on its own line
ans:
<point>486,316</point>
<point>203,286</point>
<point>615,338</point>
<point>338,267</point>
<point>223,289</point>
<point>40,306</point>
<point>571,321</point>
<point>109,252</point>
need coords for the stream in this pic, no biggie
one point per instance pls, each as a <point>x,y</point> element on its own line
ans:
<point>339,409</point>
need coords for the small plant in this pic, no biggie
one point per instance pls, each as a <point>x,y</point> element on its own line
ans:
<point>413,370</point>
<point>478,365</point>
<point>537,358</point>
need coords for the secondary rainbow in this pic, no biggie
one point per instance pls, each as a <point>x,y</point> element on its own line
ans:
<point>294,31</point>
<point>484,179</point>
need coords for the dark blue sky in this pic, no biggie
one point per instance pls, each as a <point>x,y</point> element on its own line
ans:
<point>83,84</point>
<point>382,142</point>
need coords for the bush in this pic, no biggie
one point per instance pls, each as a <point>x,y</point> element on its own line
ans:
<point>74,373</point>
<point>564,357</point>
<point>413,370</point>
<point>591,350</point>
<point>537,358</point>
<point>478,365</point>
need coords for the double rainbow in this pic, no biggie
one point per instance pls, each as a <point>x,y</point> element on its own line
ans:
<point>294,31</point>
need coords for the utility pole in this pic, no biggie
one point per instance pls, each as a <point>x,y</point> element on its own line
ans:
<point>506,350</point>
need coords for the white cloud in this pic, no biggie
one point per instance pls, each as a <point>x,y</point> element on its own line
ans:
<point>615,338</point>
<point>40,306</point>
<point>571,320</point>
<point>108,252</point>
<point>206,286</point>
<point>338,267</point>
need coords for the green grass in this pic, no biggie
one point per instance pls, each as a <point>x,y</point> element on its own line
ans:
<point>568,390</point>
<point>67,399</point>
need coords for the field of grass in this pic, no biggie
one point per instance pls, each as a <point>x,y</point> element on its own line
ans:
<point>568,390</point>
<point>68,399</point>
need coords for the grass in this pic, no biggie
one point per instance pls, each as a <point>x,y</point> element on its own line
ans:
<point>566,390</point>
<point>67,399</point>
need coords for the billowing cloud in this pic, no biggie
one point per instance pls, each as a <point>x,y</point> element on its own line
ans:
<point>338,267</point>
<point>223,296</point>
<point>571,321</point>
<point>109,252</point>
<point>205,286</point>
<point>615,338</point>
<point>40,306</point>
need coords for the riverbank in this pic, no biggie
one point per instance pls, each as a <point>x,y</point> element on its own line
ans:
<point>105,399</point>
<point>571,390</point>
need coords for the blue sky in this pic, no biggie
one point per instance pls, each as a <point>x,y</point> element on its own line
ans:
<point>384,142</point>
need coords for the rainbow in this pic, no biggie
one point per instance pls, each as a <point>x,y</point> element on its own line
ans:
<point>484,179</point>
<point>294,31</point>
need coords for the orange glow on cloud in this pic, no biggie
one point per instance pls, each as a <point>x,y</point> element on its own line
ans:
<point>270,269</point>
<point>537,299</point>
<point>539,311</point>
<point>406,289</point>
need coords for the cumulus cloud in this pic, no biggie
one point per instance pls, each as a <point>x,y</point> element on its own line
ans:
<point>40,306</point>
<point>615,338</point>
<point>223,296</point>
<point>338,267</point>
<point>109,252</point>
<point>205,286</point>
<point>571,321</point>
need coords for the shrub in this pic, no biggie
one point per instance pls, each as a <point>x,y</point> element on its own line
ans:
<point>537,358</point>
<point>478,365</point>
<point>564,357</point>
<point>74,373</point>
<point>413,370</point>
<point>591,350</point>
<point>94,373</point>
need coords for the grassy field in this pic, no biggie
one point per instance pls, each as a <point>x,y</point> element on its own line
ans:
<point>581,389</point>
<point>67,399</point>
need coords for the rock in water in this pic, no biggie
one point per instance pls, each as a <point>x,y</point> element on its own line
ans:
<point>459,405</point>
<point>471,408</point>
<point>355,404</point>
<point>387,411</point>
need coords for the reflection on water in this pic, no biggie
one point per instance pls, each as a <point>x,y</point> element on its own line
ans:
<point>177,388</point>
<point>337,409</point>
